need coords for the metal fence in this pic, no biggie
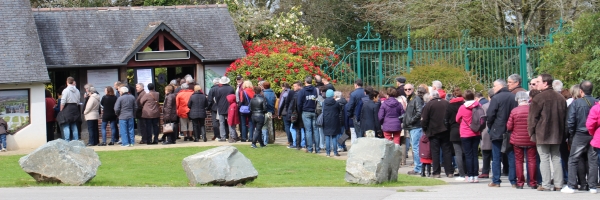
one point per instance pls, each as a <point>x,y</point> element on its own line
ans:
<point>378,61</point>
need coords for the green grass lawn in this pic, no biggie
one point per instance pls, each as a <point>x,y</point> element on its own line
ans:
<point>277,167</point>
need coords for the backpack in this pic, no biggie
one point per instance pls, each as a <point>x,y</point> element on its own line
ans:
<point>319,107</point>
<point>424,147</point>
<point>478,119</point>
<point>294,111</point>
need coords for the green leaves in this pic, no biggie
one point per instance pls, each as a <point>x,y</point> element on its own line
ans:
<point>450,76</point>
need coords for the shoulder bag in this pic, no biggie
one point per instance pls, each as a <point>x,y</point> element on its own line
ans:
<point>245,109</point>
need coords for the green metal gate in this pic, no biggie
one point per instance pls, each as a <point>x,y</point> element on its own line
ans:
<point>378,61</point>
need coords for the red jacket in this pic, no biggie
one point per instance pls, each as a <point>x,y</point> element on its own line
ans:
<point>233,117</point>
<point>249,92</point>
<point>517,123</point>
<point>50,103</point>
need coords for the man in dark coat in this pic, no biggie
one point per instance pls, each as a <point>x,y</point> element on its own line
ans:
<point>546,123</point>
<point>432,122</point>
<point>291,105</point>
<point>355,101</point>
<point>498,112</point>
<point>223,106</point>
<point>139,89</point>
<point>580,141</point>
<point>212,105</point>
<point>412,124</point>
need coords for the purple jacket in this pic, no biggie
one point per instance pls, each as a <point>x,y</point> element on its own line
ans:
<point>389,112</point>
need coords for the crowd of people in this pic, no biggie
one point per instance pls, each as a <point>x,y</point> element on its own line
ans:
<point>550,129</point>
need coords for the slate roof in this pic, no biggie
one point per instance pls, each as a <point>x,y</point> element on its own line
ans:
<point>21,58</point>
<point>106,36</point>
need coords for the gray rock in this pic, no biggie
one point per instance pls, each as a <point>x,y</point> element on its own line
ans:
<point>223,165</point>
<point>60,161</point>
<point>373,161</point>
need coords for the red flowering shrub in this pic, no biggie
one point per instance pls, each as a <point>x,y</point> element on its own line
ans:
<point>280,61</point>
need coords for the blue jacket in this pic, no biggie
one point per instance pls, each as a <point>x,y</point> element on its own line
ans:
<point>307,99</point>
<point>355,99</point>
<point>270,96</point>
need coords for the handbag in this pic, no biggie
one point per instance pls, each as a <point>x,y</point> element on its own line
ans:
<point>245,109</point>
<point>506,145</point>
<point>343,138</point>
<point>320,120</point>
<point>167,128</point>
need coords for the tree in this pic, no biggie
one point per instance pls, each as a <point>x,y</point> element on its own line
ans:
<point>574,55</point>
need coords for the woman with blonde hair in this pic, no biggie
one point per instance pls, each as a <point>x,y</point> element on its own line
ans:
<point>246,124</point>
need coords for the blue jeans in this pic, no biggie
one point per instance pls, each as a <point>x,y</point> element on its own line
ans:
<point>341,145</point>
<point>312,134</point>
<point>331,143</point>
<point>113,129</point>
<point>67,128</point>
<point>321,137</point>
<point>415,136</point>
<point>496,160</point>
<point>3,140</point>
<point>286,127</point>
<point>246,130</point>
<point>302,139</point>
<point>512,170</point>
<point>127,134</point>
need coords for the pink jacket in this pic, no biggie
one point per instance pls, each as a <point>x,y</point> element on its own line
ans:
<point>464,118</point>
<point>593,123</point>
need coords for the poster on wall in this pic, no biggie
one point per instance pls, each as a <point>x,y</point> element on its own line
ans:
<point>14,108</point>
<point>144,76</point>
<point>101,78</point>
<point>211,72</point>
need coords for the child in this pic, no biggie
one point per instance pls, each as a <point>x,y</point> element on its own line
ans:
<point>233,118</point>
<point>425,154</point>
<point>3,133</point>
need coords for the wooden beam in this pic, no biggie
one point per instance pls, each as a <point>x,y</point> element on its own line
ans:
<point>149,42</point>
<point>161,42</point>
<point>161,63</point>
<point>173,40</point>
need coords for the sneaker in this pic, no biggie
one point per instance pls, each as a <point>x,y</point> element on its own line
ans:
<point>460,178</point>
<point>253,146</point>
<point>593,191</point>
<point>124,145</point>
<point>484,176</point>
<point>291,147</point>
<point>111,143</point>
<point>130,145</point>
<point>567,190</point>
<point>3,149</point>
<point>119,142</point>
<point>413,172</point>
<point>475,179</point>
<point>102,144</point>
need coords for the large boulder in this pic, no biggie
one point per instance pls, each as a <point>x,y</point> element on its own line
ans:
<point>60,161</point>
<point>373,161</point>
<point>223,165</point>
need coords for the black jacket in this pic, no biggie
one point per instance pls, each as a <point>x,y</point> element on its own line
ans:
<point>258,105</point>
<point>497,114</point>
<point>197,105</point>
<point>451,123</point>
<point>108,105</point>
<point>287,103</point>
<point>211,95</point>
<point>369,119</point>
<point>433,117</point>
<point>412,117</point>
<point>342,101</point>
<point>577,115</point>
<point>331,110</point>
<point>221,98</point>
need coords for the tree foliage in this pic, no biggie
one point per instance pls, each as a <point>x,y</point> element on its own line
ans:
<point>574,55</point>
<point>450,76</point>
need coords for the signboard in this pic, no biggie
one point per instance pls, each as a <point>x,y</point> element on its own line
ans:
<point>101,78</point>
<point>14,108</point>
<point>144,76</point>
<point>214,71</point>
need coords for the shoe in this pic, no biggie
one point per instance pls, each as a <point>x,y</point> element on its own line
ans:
<point>242,140</point>
<point>124,145</point>
<point>493,185</point>
<point>111,143</point>
<point>412,172</point>
<point>151,143</point>
<point>475,179</point>
<point>337,154</point>
<point>460,178</point>
<point>253,146</point>
<point>513,185</point>
<point>558,189</point>
<point>142,142</point>
<point>214,138</point>
<point>484,176</point>
<point>593,191</point>
<point>567,190</point>
<point>519,187</point>
<point>232,141</point>
<point>436,176</point>
<point>102,144</point>
<point>345,149</point>
<point>543,189</point>
<point>196,140</point>
<point>130,145</point>
<point>291,147</point>
<point>166,143</point>
<point>119,142</point>
<point>185,138</point>
<point>306,151</point>
<point>262,146</point>
<point>89,145</point>
<point>222,140</point>
<point>328,155</point>
<point>584,188</point>
<point>450,175</point>
<point>3,149</point>
<point>161,140</point>
<point>533,187</point>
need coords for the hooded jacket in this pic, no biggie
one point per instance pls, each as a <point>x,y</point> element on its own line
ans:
<point>368,116</point>
<point>281,111</point>
<point>593,125</point>
<point>91,109</point>
<point>412,118</point>
<point>71,111</point>
<point>498,112</point>
<point>182,102</point>
<point>233,117</point>
<point>389,114</point>
<point>169,108</point>
<point>547,117</point>
<point>343,117</point>
<point>355,98</point>
<point>517,123</point>
<point>451,114</point>
<point>331,110</point>
<point>197,105</point>
<point>464,117</point>
<point>307,99</point>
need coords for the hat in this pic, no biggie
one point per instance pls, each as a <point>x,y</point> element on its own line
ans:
<point>224,80</point>
<point>239,77</point>
<point>329,93</point>
<point>401,79</point>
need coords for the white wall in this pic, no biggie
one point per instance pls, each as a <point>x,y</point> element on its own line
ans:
<point>33,135</point>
